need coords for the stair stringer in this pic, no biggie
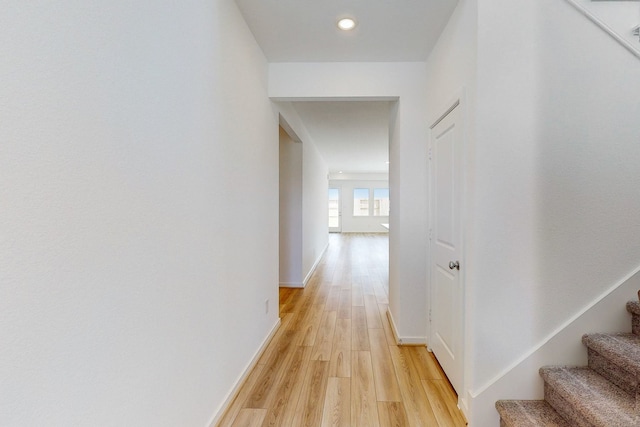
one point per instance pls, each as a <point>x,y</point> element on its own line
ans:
<point>521,380</point>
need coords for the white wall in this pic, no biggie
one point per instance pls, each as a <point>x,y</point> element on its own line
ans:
<point>290,211</point>
<point>565,233</point>
<point>505,200</point>
<point>309,179</point>
<point>359,224</point>
<point>556,183</point>
<point>133,275</point>
<point>551,185</point>
<point>315,207</point>
<point>407,239</point>
<point>451,73</point>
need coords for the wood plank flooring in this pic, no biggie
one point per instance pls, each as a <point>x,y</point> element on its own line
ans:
<point>334,362</point>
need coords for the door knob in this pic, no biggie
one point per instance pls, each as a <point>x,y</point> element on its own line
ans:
<point>454,265</point>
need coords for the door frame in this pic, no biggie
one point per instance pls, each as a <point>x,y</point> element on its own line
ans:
<point>458,100</point>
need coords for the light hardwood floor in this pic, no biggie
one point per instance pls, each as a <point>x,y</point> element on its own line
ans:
<point>334,360</point>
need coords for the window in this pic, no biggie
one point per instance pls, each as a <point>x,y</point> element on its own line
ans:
<point>380,202</point>
<point>360,202</point>
<point>334,208</point>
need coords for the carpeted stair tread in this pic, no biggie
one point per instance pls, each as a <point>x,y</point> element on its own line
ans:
<point>622,349</point>
<point>588,397</point>
<point>529,413</point>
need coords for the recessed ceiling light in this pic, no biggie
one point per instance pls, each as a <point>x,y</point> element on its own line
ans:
<point>346,24</point>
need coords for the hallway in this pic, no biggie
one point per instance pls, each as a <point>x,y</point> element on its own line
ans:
<point>334,361</point>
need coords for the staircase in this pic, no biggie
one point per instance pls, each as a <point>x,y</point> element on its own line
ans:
<point>605,393</point>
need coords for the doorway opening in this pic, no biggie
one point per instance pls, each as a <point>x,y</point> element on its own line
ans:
<point>352,139</point>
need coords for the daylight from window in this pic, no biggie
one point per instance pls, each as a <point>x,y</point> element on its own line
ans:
<point>380,202</point>
<point>334,208</point>
<point>360,202</point>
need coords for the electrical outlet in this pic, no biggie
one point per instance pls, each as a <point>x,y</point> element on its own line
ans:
<point>266,306</point>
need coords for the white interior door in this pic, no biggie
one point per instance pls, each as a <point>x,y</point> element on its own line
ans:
<point>446,301</point>
<point>335,211</point>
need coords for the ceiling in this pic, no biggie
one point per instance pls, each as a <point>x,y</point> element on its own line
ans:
<point>351,136</point>
<point>387,30</point>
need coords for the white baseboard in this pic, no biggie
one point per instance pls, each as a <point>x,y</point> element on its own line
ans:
<point>366,232</point>
<point>309,274</point>
<point>404,340</point>
<point>393,325</point>
<point>243,377</point>
<point>315,265</point>
<point>291,285</point>
<point>417,341</point>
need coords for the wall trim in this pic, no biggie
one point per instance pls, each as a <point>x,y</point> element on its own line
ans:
<point>407,341</point>
<point>315,265</point>
<point>365,232</point>
<point>243,377</point>
<point>558,330</point>
<point>393,326</point>
<point>291,285</point>
<point>607,29</point>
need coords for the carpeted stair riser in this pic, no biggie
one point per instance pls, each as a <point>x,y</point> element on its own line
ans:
<point>528,413</point>
<point>618,376</point>
<point>633,307</point>
<point>616,357</point>
<point>562,407</point>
